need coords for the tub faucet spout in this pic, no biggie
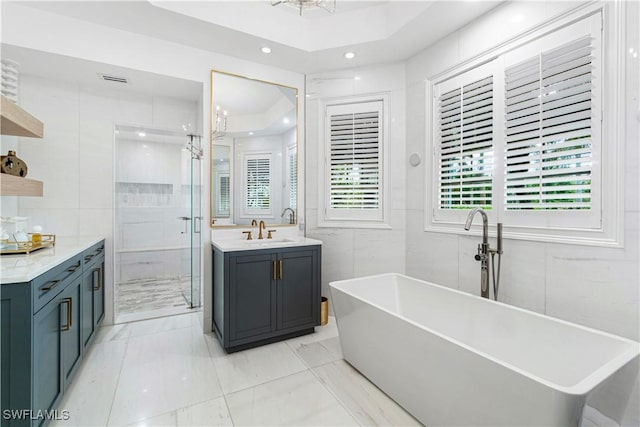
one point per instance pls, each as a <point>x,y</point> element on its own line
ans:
<point>483,250</point>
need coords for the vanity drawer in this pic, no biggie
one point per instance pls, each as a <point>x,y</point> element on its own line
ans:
<point>51,283</point>
<point>91,255</point>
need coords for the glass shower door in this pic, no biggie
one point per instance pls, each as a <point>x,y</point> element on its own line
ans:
<point>158,223</point>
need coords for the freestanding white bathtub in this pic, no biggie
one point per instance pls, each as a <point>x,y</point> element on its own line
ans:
<point>454,359</point>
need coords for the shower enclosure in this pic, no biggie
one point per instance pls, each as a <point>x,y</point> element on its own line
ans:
<point>158,223</point>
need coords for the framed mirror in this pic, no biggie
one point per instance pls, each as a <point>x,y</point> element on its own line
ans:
<point>254,151</point>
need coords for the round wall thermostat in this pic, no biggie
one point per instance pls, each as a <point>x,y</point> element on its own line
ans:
<point>415,159</point>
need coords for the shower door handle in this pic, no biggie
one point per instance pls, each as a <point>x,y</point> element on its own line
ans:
<point>185,219</point>
<point>197,225</point>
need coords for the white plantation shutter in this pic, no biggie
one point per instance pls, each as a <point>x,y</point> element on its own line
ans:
<point>549,156</point>
<point>223,202</point>
<point>354,160</point>
<point>258,183</point>
<point>465,145</point>
<point>293,178</point>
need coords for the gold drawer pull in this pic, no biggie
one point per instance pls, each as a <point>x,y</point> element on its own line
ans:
<point>98,270</point>
<point>69,303</point>
<point>280,262</point>
<point>273,270</point>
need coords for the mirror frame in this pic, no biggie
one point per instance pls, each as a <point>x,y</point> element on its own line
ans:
<point>211,127</point>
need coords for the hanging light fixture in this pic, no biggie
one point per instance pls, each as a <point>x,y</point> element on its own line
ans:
<point>328,5</point>
<point>220,124</point>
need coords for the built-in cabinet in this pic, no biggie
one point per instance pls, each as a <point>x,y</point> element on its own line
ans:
<point>47,326</point>
<point>262,296</point>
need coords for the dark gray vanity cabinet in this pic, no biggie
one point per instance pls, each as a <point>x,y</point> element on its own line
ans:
<point>266,295</point>
<point>44,333</point>
<point>93,292</point>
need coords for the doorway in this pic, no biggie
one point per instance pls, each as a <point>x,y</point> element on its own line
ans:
<point>158,223</point>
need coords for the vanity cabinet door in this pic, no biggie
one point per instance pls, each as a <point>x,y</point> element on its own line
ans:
<point>298,290</point>
<point>47,354</point>
<point>98,292</point>
<point>251,291</point>
<point>86,322</point>
<point>71,331</point>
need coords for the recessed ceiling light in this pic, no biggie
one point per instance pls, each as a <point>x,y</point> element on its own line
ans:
<point>356,78</point>
<point>142,134</point>
<point>266,49</point>
<point>350,55</point>
<point>250,133</point>
<point>285,120</point>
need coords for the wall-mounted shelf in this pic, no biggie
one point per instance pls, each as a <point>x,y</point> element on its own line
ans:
<point>16,186</point>
<point>16,121</point>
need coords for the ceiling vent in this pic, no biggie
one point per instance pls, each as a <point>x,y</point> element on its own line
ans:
<point>112,78</point>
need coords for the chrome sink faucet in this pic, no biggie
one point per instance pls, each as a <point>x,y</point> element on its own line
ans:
<point>484,250</point>
<point>292,215</point>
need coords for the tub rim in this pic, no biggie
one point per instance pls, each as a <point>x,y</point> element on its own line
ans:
<point>581,388</point>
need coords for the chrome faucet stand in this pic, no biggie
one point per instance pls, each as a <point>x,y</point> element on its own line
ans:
<point>485,252</point>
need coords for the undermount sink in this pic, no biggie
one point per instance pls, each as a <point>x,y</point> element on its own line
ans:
<point>267,242</point>
<point>227,245</point>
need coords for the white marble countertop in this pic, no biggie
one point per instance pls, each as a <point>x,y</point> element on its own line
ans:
<point>24,268</point>
<point>232,245</point>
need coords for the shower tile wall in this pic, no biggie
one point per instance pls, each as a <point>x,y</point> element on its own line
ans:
<point>75,157</point>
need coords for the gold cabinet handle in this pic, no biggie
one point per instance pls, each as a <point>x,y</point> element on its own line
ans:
<point>274,270</point>
<point>98,270</point>
<point>280,265</point>
<point>69,303</point>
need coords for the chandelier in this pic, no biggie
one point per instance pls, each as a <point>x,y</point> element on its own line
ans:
<point>220,124</point>
<point>328,5</point>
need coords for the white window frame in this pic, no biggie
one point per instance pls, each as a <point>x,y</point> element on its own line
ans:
<point>609,232</point>
<point>344,218</point>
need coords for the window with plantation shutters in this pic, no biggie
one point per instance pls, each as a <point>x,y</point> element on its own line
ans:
<point>223,202</point>
<point>465,148</point>
<point>258,183</point>
<point>549,135</point>
<point>521,136</point>
<point>354,167</point>
<point>293,178</point>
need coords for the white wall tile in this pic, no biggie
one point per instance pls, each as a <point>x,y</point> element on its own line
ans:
<point>338,255</point>
<point>434,59</point>
<point>133,110</point>
<point>174,114</point>
<point>61,222</point>
<point>520,284</point>
<point>377,252</point>
<point>498,26</point>
<point>431,256</point>
<point>596,287</point>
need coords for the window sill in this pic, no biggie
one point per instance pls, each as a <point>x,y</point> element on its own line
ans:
<point>355,224</point>
<point>560,236</point>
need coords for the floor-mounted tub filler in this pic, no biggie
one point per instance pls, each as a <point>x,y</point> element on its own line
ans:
<point>454,359</point>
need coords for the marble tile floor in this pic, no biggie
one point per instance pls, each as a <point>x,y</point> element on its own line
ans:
<point>166,372</point>
<point>151,294</point>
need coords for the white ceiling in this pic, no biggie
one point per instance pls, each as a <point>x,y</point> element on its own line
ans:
<point>377,31</point>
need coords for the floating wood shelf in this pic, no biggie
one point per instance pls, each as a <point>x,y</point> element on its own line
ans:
<point>15,186</point>
<point>16,121</point>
